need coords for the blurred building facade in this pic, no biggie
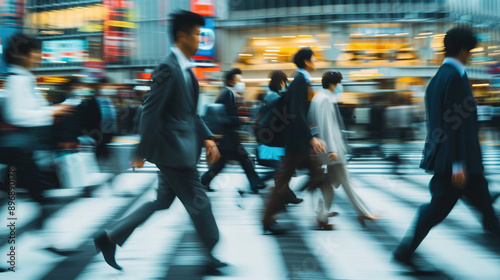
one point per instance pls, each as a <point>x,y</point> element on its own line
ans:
<point>11,21</point>
<point>117,38</point>
<point>396,43</point>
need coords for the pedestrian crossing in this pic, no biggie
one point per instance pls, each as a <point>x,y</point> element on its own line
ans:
<point>165,247</point>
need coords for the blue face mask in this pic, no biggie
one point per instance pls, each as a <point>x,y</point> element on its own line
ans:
<point>338,89</point>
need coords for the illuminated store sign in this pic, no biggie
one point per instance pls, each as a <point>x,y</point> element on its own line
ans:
<point>64,51</point>
<point>206,48</point>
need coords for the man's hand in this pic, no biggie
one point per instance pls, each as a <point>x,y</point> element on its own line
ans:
<point>212,151</point>
<point>318,145</point>
<point>136,162</point>
<point>458,179</point>
<point>333,156</point>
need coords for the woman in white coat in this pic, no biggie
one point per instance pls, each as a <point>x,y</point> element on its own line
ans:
<point>324,113</point>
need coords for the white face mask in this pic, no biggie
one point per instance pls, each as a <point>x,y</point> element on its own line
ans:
<point>239,87</point>
<point>108,92</point>
<point>338,89</point>
<point>82,92</point>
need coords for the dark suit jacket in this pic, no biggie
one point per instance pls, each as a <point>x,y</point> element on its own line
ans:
<point>452,123</point>
<point>172,132</point>
<point>228,99</point>
<point>217,121</point>
<point>297,104</point>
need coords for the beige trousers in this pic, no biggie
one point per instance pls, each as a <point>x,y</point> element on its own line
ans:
<point>338,175</point>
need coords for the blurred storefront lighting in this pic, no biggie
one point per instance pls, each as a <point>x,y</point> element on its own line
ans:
<point>480,85</point>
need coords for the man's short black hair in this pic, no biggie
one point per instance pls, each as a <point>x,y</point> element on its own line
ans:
<point>184,21</point>
<point>277,78</point>
<point>331,77</point>
<point>457,39</point>
<point>302,55</point>
<point>229,77</point>
<point>18,46</point>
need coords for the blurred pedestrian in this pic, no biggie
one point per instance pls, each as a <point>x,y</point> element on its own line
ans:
<point>452,150</point>
<point>300,142</point>
<point>171,137</point>
<point>25,118</point>
<point>267,155</point>
<point>324,114</point>
<point>108,125</point>
<point>231,148</point>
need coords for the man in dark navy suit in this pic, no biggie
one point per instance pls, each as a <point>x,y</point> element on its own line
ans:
<point>230,146</point>
<point>300,141</point>
<point>452,150</point>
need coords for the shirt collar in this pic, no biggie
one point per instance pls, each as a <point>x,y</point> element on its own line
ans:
<point>306,74</point>
<point>16,69</point>
<point>455,63</point>
<point>184,62</point>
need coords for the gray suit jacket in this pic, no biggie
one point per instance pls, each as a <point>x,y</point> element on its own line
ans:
<point>172,133</point>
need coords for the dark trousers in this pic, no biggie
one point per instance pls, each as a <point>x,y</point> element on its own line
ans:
<point>444,197</point>
<point>27,175</point>
<point>184,184</point>
<point>239,155</point>
<point>282,192</point>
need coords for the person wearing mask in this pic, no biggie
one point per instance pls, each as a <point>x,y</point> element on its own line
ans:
<point>26,117</point>
<point>108,124</point>
<point>266,155</point>
<point>300,142</point>
<point>231,148</point>
<point>452,150</point>
<point>324,114</point>
<point>171,137</point>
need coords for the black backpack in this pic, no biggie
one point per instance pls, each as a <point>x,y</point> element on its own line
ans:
<point>271,123</point>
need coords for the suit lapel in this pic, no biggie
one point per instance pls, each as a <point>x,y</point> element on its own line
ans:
<point>195,86</point>
<point>186,92</point>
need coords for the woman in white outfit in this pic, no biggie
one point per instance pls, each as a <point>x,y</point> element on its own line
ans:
<point>324,113</point>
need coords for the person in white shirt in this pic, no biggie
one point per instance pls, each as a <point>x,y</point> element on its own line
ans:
<point>324,114</point>
<point>23,112</point>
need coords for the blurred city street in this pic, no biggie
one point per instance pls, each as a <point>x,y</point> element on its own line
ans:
<point>332,139</point>
<point>165,246</point>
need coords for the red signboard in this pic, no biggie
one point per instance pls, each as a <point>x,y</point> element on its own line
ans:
<point>203,7</point>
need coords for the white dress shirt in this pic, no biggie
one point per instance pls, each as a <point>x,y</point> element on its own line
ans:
<point>184,63</point>
<point>306,74</point>
<point>455,63</point>
<point>22,106</point>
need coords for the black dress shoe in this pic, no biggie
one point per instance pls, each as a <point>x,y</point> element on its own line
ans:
<point>294,200</point>
<point>212,266</point>
<point>261,186</point>
<point>108,249</point>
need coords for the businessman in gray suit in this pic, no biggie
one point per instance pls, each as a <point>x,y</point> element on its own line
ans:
<point>171,137</point>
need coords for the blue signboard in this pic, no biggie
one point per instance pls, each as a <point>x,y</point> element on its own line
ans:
<point>5,33</point>
<point>206,48</point>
